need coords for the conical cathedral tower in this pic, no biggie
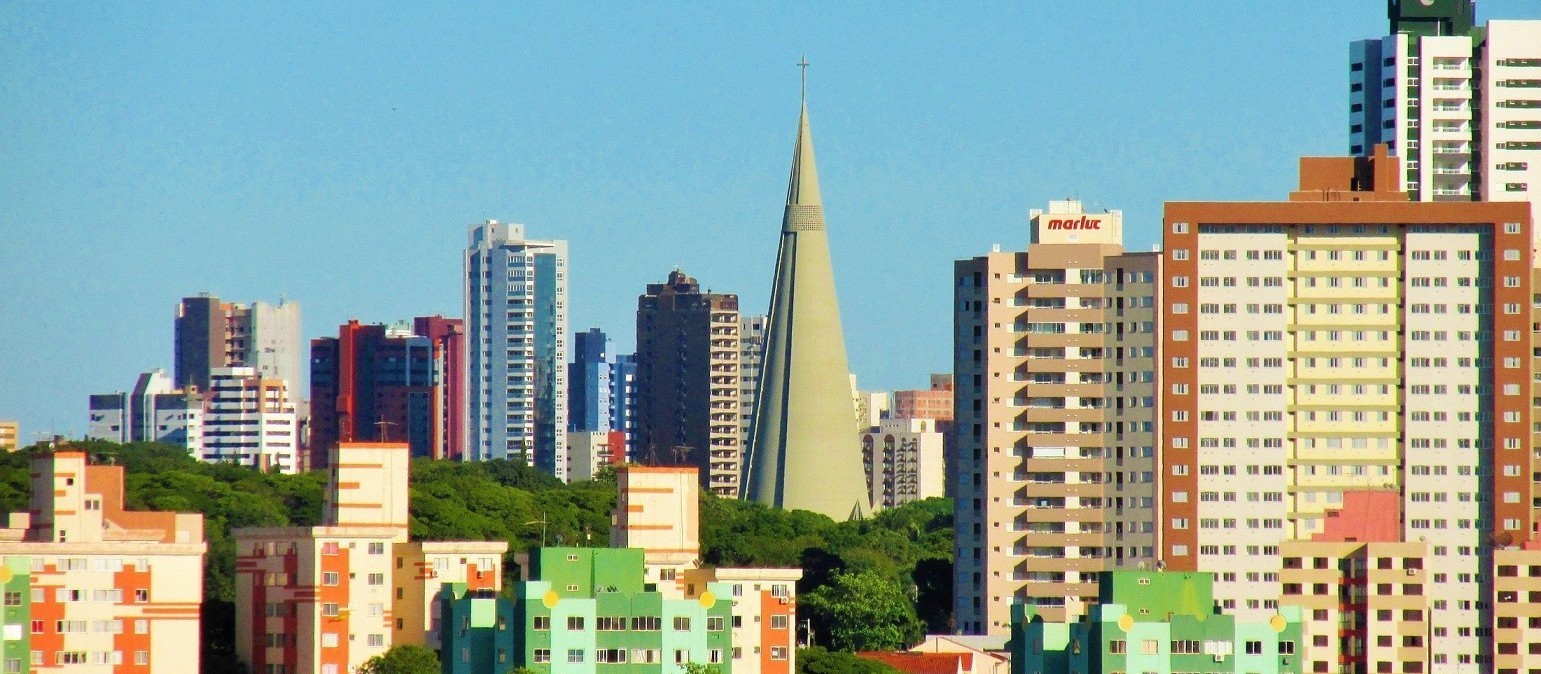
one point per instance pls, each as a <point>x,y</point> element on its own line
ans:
<point>804,454</point>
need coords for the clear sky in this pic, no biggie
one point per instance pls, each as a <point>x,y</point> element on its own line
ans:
<point>334,153</point>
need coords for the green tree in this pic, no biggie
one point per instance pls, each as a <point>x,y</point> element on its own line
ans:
<point>406,659</point>
<point>817,660</point>
<point>863,611</point>
<point>698,668</point>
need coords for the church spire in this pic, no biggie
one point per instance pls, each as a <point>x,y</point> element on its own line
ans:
<point>803,452</point>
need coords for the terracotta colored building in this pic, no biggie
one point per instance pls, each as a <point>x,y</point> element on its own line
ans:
<point>372,383</point>
<point>1347,340</point>
<point>98,584</point>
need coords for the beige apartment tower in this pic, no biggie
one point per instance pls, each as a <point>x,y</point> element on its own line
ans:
<point>804,454</point>
<point>1055,361</point>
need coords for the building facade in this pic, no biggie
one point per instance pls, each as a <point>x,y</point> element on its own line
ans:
<point>904,460</point>
<point>590,452</point>
<point>154,412</point>
<point>10,435</point>
<point>1151,621</point>
<point>211,334</point>
<point>581,609</point>
<point>588,382</point>
<point>1341,341</point>
<point>658,513</point>
<point>250,420</point>
<point>374,383</point>
<point>687,382</point>
<point>933,403</point>
<point>1055,353</point>
<point>1458,102</point>
<point>327,598</point>
<point>91,587</point>
<point>516,320</point>
<point>751,337</point>
<point>623,400</point>
<point>448,337</point>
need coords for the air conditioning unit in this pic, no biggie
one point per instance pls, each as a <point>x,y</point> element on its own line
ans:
<point>1219,657</point>
<point>783,601</point>
<point>1412,572</point>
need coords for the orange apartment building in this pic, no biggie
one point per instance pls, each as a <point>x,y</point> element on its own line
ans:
<point>93,588</point>
<point>325,599</point>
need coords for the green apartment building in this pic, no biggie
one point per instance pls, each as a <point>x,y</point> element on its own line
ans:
<point>1155,622</point>
<point>585,610</point>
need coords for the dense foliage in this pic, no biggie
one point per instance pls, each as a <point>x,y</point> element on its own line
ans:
<point>406,659</point>
<point>817,660</point>
<point>906,551</point>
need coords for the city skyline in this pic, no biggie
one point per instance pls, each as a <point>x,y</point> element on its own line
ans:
<point>260,165</point>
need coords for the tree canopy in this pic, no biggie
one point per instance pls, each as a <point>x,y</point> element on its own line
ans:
<point>406,659</point>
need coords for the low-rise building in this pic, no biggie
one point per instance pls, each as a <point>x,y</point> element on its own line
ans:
<point>1360,588</point>
<point>1155,621</point>
<point>1517,608</point>
<point>327,598</point>
<point>581,609</point>
<point>91,587</point>
<point>904,459</point>
<point>658,512</point>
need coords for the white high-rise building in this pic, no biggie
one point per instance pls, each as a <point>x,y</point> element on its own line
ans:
<point>1459,103</point>
<point>516,318</point>
<point>250,420</point>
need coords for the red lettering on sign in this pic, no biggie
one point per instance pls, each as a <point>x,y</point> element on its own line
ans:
<point>1083,223</point>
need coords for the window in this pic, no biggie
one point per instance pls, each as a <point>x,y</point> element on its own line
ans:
<point>541,623</point>
<point>682,624</point>
<point>575,623</point>
<point>542,655</point>
<point>377,548</point>
<point>778,652</point>
<point>1254,648</point>
<point>574,655</point>
<point>778,622</point>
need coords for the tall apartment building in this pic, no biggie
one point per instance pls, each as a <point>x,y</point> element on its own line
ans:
<point>10,435</point>
<point>623,400</point>
<point>588,382</point>
<point>1348,340</point>
<point>872,407</point>
<point>448,337</point>
<point>688,384</point>
<point>154,412</point>
<point>1054,361</point>
<point>516,316</point>
<point>327,598</point>
<point>211,334</point>
<point>751,337</point>
<point>250,420</point>
<point>373,383</point>
<point>1460,103</point>
<point>91,587</point>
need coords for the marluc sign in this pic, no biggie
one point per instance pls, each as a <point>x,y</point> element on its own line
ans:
<point>1083,223</point>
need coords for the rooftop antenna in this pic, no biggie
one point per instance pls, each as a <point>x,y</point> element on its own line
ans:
<point>383,427</point>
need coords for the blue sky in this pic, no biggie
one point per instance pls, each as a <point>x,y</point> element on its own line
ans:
<point>334,153</point>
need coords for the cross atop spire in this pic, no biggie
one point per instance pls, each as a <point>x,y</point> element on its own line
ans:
<point>804,65</point>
